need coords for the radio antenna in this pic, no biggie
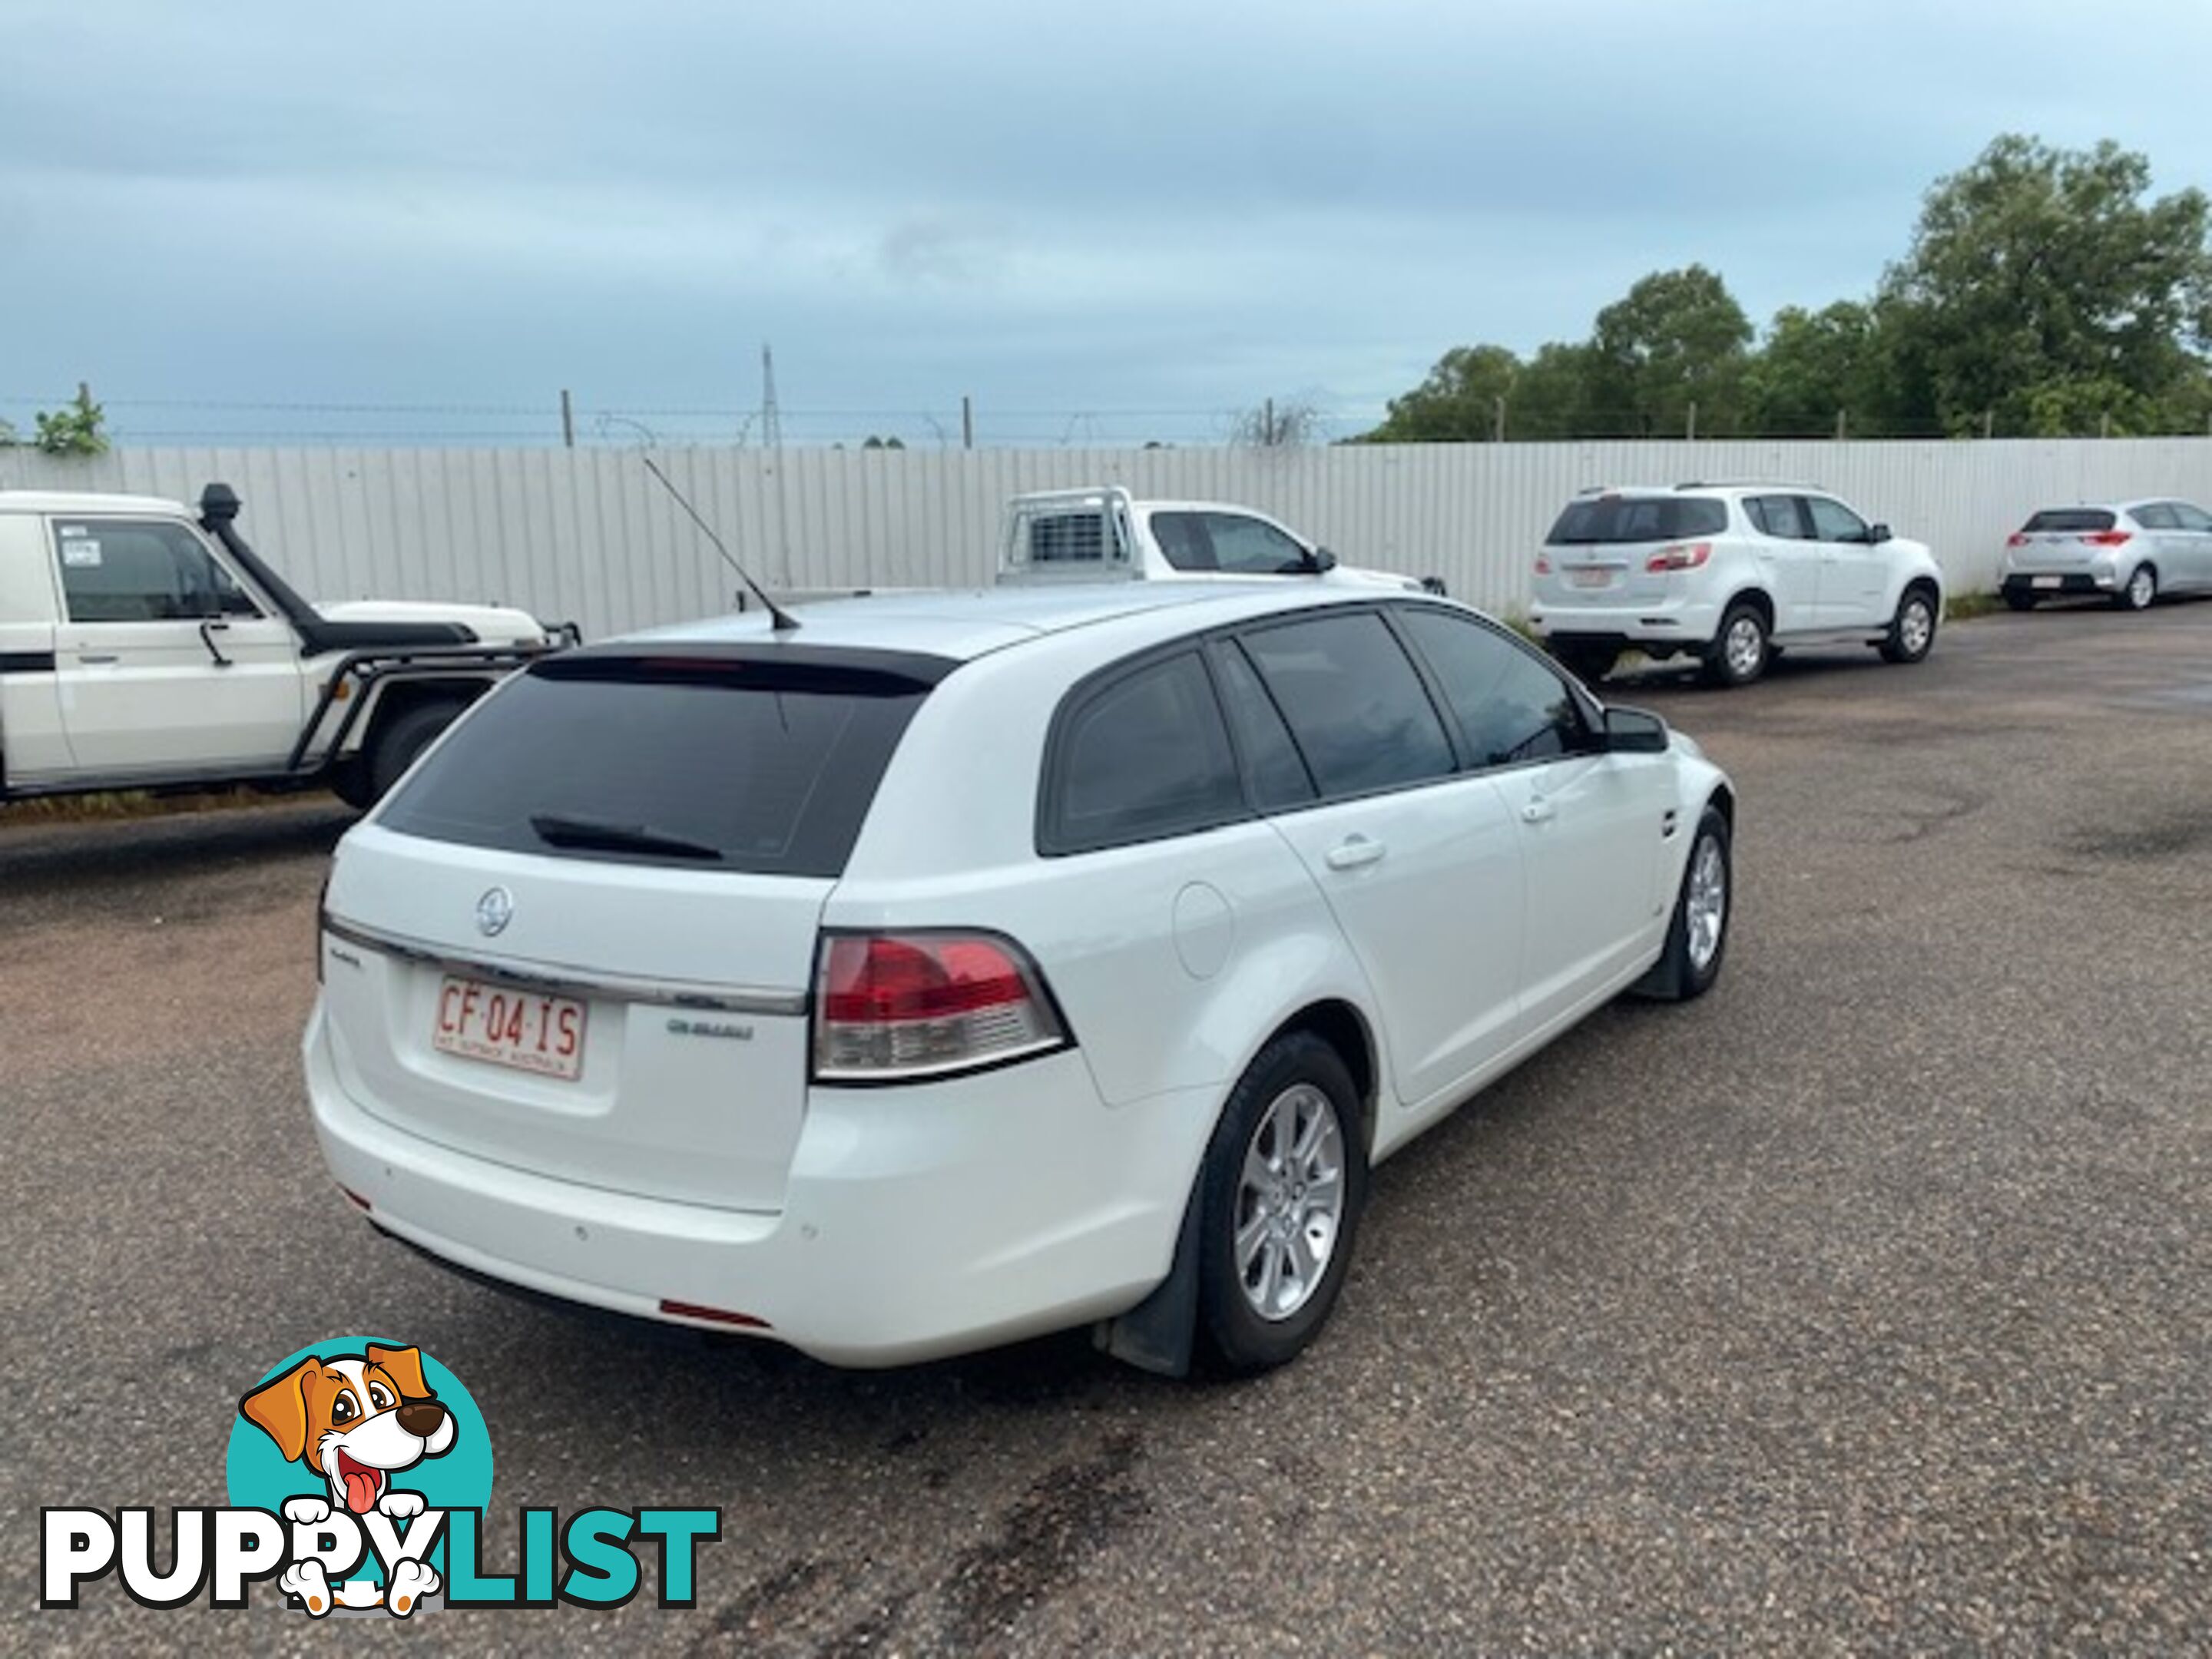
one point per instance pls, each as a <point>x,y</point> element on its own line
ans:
<point>780,620</point>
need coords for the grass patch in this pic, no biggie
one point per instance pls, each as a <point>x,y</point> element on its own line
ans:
<point>1958,607</point>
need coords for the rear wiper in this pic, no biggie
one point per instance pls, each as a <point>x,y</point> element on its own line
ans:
<point>555,830</point>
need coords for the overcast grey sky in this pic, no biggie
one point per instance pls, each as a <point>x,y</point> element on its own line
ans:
<point>1105,221</point>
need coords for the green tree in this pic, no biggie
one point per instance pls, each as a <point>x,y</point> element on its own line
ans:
<point>2046,287</point>
<point>1457,403</point>
<point>1677,337</point>
<point>1813,367</point>
<point>1550,397</point>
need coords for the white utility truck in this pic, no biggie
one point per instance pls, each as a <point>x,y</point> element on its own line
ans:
<point>1083,535</point>
<point>146,647</point>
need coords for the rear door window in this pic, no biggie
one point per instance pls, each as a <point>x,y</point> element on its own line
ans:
<point>1361,719</point>
<point>1598,519</point>
<point>2192,518</point>
<point>1777,516</point>
<point>1271,757</point>
<point>1510,705</point>
<point>713,761</point>
<point>2155,515</point>
<point>1145,755</point>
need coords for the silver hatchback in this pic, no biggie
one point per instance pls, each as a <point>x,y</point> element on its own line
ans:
<point>2129,552</point>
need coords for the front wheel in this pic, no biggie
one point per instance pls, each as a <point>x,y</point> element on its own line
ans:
<point>1912,630</point>
<point>2141,590</point>
<point>1740,652</point>
<point>1697,939</point>
<point>1283,1182</point>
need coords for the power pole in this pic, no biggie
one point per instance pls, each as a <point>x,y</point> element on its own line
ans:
<point>1842,426</point>
<point>967,422</point>
<point>1267,424</point>
<point>1989,423</point>
<point>567,422</point>
<point>771,416</point>
<point>1497,419</point>
<point>1690,432</point>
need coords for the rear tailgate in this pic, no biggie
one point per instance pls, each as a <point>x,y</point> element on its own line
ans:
<point>1623,550</point>
<point>649,1036</point>
<point>579,938</point>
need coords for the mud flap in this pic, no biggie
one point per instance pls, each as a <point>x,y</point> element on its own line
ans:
<point>1159,1334</point>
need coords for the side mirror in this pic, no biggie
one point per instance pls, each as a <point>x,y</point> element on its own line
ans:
<point>1878,535</point>
<point>1634,732</point>
<point>1324,560</point>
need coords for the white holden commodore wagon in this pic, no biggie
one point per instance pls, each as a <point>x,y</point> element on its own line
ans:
<point>959,967</point>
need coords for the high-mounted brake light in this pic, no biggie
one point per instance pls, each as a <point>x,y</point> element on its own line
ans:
<point>898,1007</point>
<point>1683,556</point>
<point>2107,538</point>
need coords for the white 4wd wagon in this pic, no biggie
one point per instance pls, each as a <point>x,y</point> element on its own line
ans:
<point>1729,573</point>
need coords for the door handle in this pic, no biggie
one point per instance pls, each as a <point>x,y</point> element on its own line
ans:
<point>1538,810</point>
<point>96,657</point>
<point>1353,852</point>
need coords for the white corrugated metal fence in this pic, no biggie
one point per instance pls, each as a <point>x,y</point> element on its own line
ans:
<point>585,535</point>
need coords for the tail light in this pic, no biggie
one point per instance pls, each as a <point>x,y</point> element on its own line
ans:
<point>1543,565</point>
<point>900,1007</point>
<point>2018,539</point>
<point>1683,556</point>
<point>2107,538</point>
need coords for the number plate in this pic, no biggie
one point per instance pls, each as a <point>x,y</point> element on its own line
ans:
<point>1591,577</point>
<point>2048,581</point>
<point>503,1026</point>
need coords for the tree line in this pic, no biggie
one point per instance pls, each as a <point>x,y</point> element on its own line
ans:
<point>2045,294</point>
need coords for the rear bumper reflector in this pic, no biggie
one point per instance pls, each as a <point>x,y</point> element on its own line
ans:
<point>719,1315</point>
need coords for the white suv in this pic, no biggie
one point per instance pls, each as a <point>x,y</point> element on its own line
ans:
<point>1730,574</point>
<point>958,968</point>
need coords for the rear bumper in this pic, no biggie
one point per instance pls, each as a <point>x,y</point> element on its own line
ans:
<point>918,1221</point>
<point>1675,621</point>
<point>2055,583</point>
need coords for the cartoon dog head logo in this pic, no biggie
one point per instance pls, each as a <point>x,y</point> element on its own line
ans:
<point>354,1419</point>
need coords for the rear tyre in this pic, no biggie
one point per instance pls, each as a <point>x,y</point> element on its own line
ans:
<point>1697,939</point>
<point>1283,1184</point>
<point>2141,590</point>
<point>2017,600</point>
<point>1587,663</point>
<point>399,741</point>
<point>1740,653</point>
<point>1912,630</point>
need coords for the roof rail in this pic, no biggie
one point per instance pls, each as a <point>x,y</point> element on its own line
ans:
<point>1750,483</point>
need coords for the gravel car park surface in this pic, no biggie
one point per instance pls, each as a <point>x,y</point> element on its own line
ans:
<point>1865,1304</point>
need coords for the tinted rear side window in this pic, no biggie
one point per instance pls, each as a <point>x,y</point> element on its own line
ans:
<point>1143,756</point>
<point>1353,702</point>
<point>1278,776</point>
<point>765,769</point>
<point>1600,518</point>
<point>2062,518</point>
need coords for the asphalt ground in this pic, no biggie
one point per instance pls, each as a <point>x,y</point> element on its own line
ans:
<point>1865,1305</point>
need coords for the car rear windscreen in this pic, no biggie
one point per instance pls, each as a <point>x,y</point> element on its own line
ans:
<point>712,762</point>
<point>2063,519</point>
<point>1602,519</point>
